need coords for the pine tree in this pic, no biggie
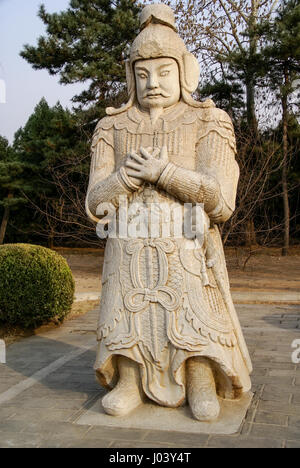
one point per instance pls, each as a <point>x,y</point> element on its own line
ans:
<point>227,94</point>
<point>85,44</point>
<point>54,148</point>
<point>280,67</point>
<point>12,184</point>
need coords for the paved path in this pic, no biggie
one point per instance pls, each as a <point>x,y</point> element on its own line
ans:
<point>48,383</point>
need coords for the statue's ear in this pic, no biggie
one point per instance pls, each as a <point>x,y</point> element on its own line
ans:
<point>191,72</point>
<point>129,78</point>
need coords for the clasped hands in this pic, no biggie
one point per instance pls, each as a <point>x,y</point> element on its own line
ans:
<point>146,166</point>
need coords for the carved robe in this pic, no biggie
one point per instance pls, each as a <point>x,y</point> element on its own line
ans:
<point>162,302</point>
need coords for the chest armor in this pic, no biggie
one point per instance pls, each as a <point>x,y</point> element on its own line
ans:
<point>176,130</point>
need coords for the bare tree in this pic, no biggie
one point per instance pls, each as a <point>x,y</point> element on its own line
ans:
<point>215,29</point>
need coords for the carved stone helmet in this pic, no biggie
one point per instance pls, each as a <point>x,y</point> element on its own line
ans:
<point>159,38</point>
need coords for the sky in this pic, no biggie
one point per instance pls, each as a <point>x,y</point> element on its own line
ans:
<point>24,87</point>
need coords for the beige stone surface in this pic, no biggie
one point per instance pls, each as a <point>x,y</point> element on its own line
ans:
<point>163,176</point>
<point>153,417</point>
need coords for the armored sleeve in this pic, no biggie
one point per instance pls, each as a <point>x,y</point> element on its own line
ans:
<point>214,181</point>
<point>105,185</point>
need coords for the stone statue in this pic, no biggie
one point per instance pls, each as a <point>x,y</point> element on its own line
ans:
<point>167,326</point>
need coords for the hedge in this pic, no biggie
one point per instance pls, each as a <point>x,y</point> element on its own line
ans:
<point>36,285</point>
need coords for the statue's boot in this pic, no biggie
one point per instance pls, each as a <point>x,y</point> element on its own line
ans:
<point>201,390</point>
<point>128,394</point>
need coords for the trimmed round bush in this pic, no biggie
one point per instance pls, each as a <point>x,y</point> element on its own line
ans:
<point>36,285</point>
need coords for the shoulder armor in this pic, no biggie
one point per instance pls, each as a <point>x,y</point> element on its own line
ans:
<point>102,131</point>
<point>105,124</point>
<point>208,103</point>
<point>213,114</point>
<point>192,113</point>
<point>129,120</point>
<point>213,119</point>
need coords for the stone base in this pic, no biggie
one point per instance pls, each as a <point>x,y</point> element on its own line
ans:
<point>151,416</point>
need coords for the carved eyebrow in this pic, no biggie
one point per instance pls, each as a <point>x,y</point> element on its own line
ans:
<point>141,69</point>
<point>166,65</point>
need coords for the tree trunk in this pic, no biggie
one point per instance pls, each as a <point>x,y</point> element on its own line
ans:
<point>5,221</point>
<point>285,195</point>
<point>251,115</point>
<point>250,72</point>
<point>51,240</point>
<point>250,234</point>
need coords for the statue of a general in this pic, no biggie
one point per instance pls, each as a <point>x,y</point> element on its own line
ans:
<point>167,325</point>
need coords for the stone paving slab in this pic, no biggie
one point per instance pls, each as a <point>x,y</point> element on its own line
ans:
<point>44,414</point>
<point>151,416</point>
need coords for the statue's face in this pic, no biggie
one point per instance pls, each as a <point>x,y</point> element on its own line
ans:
<point>157,82</point>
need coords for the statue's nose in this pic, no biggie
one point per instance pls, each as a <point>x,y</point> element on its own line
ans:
<point>152,81</point>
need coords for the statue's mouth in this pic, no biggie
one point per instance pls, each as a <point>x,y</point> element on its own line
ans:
<point>157,94</point>
<point>154,95</point>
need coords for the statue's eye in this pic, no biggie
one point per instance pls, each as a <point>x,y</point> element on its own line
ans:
<point>165,73</point>
<point>142,75</point>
